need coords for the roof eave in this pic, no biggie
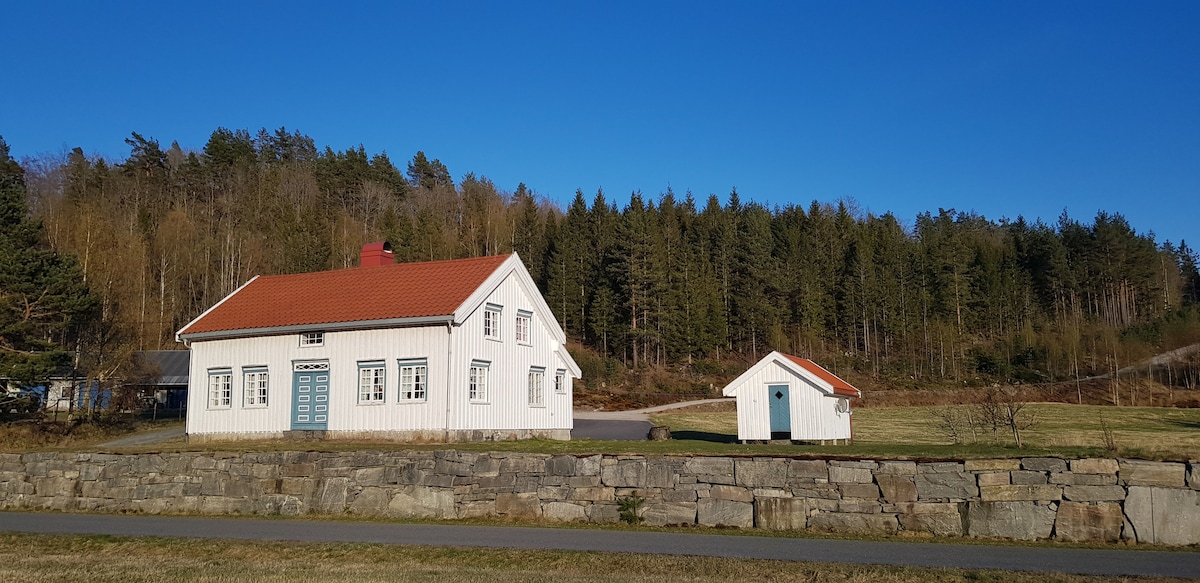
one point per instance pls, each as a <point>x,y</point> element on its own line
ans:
<point>731,389</point>
<point>512,265</point>
<point>565,358</point>
<point>783,360</point>
<point>180,336</point>
<point>327,327</point>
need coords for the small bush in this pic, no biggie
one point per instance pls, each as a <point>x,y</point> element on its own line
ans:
<point>630,507</point>
<point>1106,434</point>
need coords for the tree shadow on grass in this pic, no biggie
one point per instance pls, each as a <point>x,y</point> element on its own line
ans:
<point>704,436</point>
<point>1184,423</point>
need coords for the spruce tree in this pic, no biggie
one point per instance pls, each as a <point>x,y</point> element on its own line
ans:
<point>43,301</point>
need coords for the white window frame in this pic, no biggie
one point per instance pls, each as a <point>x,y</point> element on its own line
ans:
<point>220,388</point>
<point>311,339</point>
<point>560,381</point>
<point>255,386</point>
<point>523,327</point>
<point>372,382</point>
<point>537,386</point>
<point>477,381</point>
<point>492,314</point>
<point>415,387</point>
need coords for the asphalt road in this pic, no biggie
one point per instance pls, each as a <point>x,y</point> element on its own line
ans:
<point>624,425</point>
<point>620,429</point>
<point>1037,559</point>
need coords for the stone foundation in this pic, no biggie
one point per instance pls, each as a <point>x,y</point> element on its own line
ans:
<point>1028,499</point>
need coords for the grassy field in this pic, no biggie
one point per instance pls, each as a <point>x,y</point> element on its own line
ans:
<point>101,559</point>
<point>1152,432</point>
<point>62,434</point>
<point>902,432</point>
<point>1057,425</point>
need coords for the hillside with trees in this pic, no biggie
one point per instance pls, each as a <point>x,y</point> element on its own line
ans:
<point>668,293</point>
<point>45,306</point>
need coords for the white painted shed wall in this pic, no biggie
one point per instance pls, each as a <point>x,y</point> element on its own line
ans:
<point>814,415</point>
<point>58,395</point>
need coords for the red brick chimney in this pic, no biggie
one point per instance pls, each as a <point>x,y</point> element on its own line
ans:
<point>376,254</point>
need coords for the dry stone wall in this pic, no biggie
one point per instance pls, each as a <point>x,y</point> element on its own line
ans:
<point>1030,498</point>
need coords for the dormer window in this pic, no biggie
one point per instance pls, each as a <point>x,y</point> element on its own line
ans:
<point>491,321</point>
<point>312,339</point>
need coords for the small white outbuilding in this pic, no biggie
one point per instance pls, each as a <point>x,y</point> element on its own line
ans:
<point>788,397</point>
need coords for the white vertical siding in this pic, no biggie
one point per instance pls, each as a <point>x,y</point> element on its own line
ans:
<point>427,343</point>
<point>446,405</point>
<point>814,415</point>
<point>507,405</point>
<point>343,350</point>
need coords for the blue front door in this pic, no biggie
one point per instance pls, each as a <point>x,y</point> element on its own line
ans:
<point>310,396</point>
<point>781,410</point>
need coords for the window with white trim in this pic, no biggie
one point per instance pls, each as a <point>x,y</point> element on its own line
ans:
<point>220,388</point>
<point>491,321</point>
<point>312,339</point>
<point>413,379</point>
<point>477,381</point>
<point>371,382</point>
<point>560,381</point>
<point>523,326</point>
<point>254,386</point>
<point>537,380</point>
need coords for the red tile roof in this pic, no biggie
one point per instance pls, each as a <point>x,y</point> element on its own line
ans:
<point>840,387</point>
<point>403,290</point>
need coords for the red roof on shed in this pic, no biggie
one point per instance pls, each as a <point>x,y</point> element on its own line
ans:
<point>840,387</point>
<point>403,290</point>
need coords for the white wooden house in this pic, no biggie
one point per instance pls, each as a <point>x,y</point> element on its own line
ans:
<point>460,350</point>
<point>788,397</point>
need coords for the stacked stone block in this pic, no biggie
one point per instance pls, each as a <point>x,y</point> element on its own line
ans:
<point>1029,498</point>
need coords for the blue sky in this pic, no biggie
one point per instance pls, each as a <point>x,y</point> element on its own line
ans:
<point>1004,108</point>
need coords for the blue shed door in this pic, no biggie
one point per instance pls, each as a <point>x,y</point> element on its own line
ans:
<point>310,396</point>
<point>781,409</point>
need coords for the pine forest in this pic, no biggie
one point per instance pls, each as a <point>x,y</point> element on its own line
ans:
<point>665,293</point>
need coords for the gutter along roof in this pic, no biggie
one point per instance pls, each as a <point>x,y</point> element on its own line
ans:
<point>403,293</point>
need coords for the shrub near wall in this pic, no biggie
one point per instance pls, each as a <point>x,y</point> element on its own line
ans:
<point>1030,498</point>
